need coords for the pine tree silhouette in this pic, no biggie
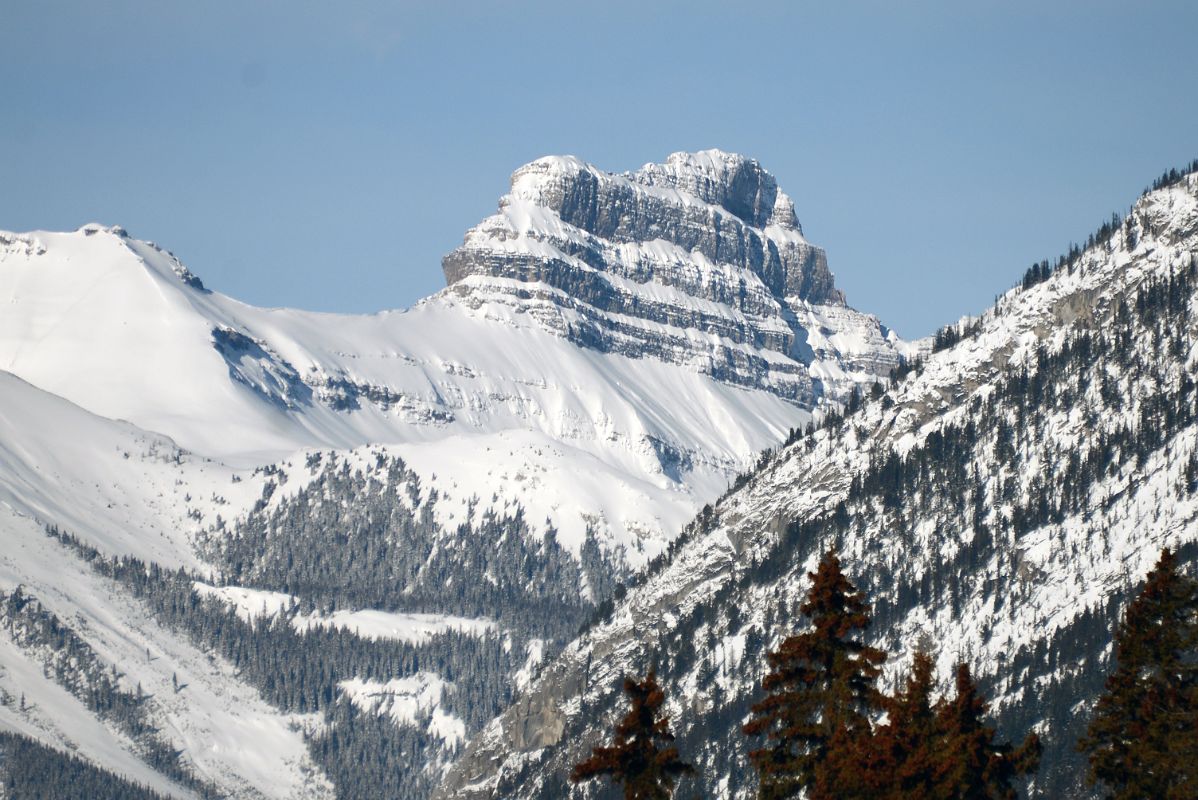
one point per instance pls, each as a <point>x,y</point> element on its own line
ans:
<point>1143,739</point>
<point>641,757</point>
<point>819,694</point>
<point>973,766</point>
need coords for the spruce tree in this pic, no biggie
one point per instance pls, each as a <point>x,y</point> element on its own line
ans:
<point>641,756</point>
<point>909,744</point>
<point>973,766</point>
<point>819,694</point>
<point>1143,738</point>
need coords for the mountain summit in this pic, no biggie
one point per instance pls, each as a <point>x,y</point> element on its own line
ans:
<point>700,260</point>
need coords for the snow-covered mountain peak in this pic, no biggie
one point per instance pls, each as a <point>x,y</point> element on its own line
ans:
<point>734,182</point>
<point>699,260</point>
<point>92,228</point>
<point>113,240</point>
<point>495,404</point>
<point>729,182</point>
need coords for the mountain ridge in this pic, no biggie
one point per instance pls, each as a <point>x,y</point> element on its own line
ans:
<point>637,246</point>
<point>494,355</point>
<point>996,502</point>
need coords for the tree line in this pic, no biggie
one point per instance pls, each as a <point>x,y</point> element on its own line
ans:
<point>300,670</point>
<point>30,770</point>
<point>827,732</point>
<point>71,662</point>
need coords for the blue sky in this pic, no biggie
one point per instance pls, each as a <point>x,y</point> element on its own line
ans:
<point>327,155</point>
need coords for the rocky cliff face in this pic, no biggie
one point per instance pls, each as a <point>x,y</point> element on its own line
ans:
<point>700,260</point>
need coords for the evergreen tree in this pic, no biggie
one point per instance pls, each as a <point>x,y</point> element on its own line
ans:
<point>1143,739</point>
<point>819,694</point>
<point>973,766</point>
<point>641,757</point>
<point>908,745</point>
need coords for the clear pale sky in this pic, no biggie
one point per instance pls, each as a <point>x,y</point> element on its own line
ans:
<point>326,155</point>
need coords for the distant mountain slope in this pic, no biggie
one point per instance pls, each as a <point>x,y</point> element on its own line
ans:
<point>45,772</point>
<point>999,503</point>
<point>629,339</point>
<point>247,551</point>
<point>127,491</point>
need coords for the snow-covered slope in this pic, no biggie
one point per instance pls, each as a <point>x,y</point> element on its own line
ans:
<point>998,504</point>
<point>127,491</point>
<point>613,382</point>
<point>610,351</point>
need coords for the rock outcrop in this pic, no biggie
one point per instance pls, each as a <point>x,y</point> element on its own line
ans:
<point>700,260</point>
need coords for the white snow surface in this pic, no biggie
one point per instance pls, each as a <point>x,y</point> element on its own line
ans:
<point>474,389</point>
<point>368,623</point>
<point>414,628</point>
<point>230,736</point>
<point>413,700</point>
<point>535,654</point>
<point>124,490</point>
